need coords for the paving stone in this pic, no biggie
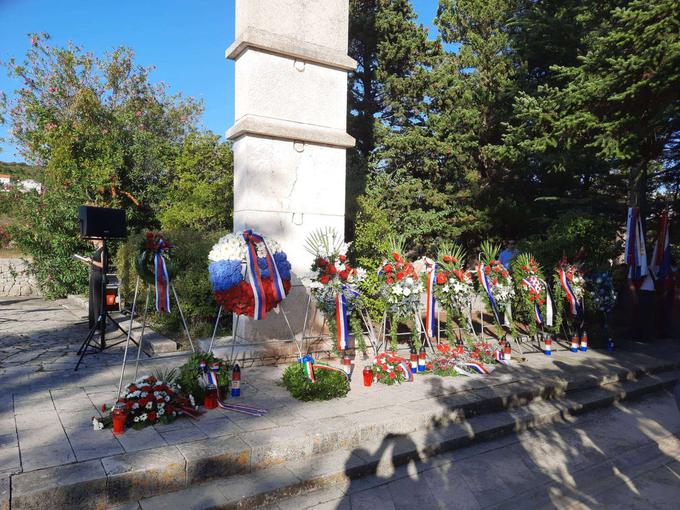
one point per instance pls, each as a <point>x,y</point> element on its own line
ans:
<point>37,437</point>
<point>446,484</point>
<point>199,497</point>
<point>134,440</point>
<point>186,435</point>
<point>213,458</point>
<point>4,492</point>
<point>81,485</point>
<point>89,444</point>
<point>46,456</point>
<point>138,475</point>
<point>275,446</point>
<point>371,499</point>
<point>217,427</point>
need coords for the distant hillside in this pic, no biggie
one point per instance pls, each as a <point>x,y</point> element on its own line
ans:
<point>20,171</point>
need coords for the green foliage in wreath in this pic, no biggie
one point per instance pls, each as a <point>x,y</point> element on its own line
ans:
<point>190,372</point>
<point>144,261</point>
<point>329,384</point>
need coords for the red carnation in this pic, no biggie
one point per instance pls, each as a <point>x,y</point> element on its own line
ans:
<point>324,279</point>
<point>505,274</point>
<point>454,260</point>
<point>388,268</point>
<point>342,258</point>
<point>525,268</point>
<point>149,235</point>
<point>495,281</point>
<point>321,262</point>
<point>441,278</point>
<point>103,408</point>
<point>344,275</point>
<point>396,256</point>
<point>400,276</point>
<point>447,258</point>
<point>169,409</point>
<point>392,375</point>
<point>390,280</point>
<point>152,416</point>
<point>487,270</point>
<point>428,366</point>
<point>146,388</point>
<point>331,269</point>
<point>133,387</point>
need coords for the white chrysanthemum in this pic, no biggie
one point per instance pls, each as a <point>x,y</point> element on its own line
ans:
<point>233,247</point>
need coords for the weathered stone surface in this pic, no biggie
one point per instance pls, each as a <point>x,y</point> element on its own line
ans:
<point>4,492</point>
<point>144,474</point>
<point>215,458</point>
<point>81,485</point>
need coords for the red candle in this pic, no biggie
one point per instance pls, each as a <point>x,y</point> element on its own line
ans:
<point>210,401</point>
<point>368,376</point>
<point>119,416</point>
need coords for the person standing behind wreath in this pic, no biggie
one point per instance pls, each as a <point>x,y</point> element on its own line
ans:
<point>508,254</point>
<point>96,275</point>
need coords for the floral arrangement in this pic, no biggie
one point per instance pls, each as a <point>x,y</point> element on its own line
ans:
<point>600,291</point>
<point>148,401</point>
<point>191,376</point>
<point>454,286</point>
<point>533,303</point>
<point>269,273</point>
<point>400,289</point>
<point>153,244</point>
<point>154,266</point>
<point>495,284</point>
<point>569,291</point>
<point>327,384</point>
<point>334,285</point>
<point>458,359</point>
<point>390,369</point>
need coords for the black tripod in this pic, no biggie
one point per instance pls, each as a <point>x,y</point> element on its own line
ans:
<point>101,320</point>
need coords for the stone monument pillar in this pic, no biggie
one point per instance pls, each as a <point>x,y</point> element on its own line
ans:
<point>289,135</point>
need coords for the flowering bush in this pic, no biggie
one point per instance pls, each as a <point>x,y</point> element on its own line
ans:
<point>532,299</point>
<point>454,286</point>
<point>227,268</point>
<point>400,289</point>
<point>390,368</point>
<point>332,276</point>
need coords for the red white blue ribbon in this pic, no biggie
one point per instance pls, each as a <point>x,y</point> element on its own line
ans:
<point>323,366</point>
<point>574,305</point>
<point>161,283</point>
<point>484,281</point>
<point>407,371</point>
<point>636,253</point>
<point>661,257</point>
<point>255,277</point>
<point>477,367</point>
<point>308,364</point>
<point>342,334</point>
<point>430,314</point>
<point>537,309</point>
<point>498,356</point>
<point>239,408</point>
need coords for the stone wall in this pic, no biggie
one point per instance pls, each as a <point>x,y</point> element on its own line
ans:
<point>14,279</point>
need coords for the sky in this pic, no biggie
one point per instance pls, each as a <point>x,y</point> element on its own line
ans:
<point>184,39</point>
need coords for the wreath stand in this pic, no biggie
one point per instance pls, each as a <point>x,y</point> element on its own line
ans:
<point>365,319</point>
<point>234,327</point>
<point>141,336</point>
<point>420,326</point>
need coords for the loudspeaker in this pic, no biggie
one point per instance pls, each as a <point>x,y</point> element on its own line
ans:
<point>101,222</point>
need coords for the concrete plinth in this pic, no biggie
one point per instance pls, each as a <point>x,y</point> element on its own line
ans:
<point>290,133</point>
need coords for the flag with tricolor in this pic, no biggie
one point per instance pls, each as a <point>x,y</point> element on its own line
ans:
<point>636,253</point>
<point>660,266</point>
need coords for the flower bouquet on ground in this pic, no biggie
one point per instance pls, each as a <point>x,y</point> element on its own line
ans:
<point>148,401</point>
<point>309,380</point>
<point>154,266</point>
<point>389,369</point>
<point>495,285</point>
<point>334,285</point>
<point>464,358</point>
<point>454,287</point>
<point>267,268</point>
<point>400,290</point>
<point>192,375</point>
<point>533,304</point>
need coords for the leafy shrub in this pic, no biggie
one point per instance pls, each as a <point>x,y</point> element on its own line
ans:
<point>189,373</point>
<point>329,384</point>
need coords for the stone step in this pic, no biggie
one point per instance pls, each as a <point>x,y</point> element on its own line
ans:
<point>302,475</point>
<point>127,477</point>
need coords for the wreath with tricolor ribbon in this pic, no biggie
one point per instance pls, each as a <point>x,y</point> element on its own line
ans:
<point>533,304</point>
<point>249,275</point>
<point>154,266</point>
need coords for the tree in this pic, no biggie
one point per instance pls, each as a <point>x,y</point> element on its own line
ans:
<point>106,135</point>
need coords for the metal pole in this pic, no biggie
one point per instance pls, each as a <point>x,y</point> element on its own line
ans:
<point>234,328</point>
<point>141,337</point>
<point>217,323</point>
<point>129,334</point>
<point>292,333</point>
<point>186,328</point>
<point>304,323</point>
